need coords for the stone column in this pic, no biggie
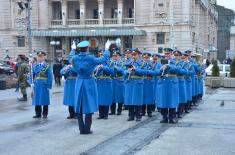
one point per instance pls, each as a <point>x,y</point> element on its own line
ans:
<point>43,13</point>
<point>120,11</point>
<point>82,11</point>
<point>64,11</point>
<point>186,8</point>
<point>101,11</point>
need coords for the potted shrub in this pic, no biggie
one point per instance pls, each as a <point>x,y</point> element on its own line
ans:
<point>230,82</point>
<point>216,80</point>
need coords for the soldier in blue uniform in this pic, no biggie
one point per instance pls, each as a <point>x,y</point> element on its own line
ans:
<point>70,80</point>
<point>86,92</point>
<point>148,99</point>
<point>193,76</point>
<point>182,86</point>
<point>118,83</point>
<point>125,61</point>
<point>103,74</point>
<point>167,86</point>
<point>200,74</point>
<point>156,62</point>
<point>189,81</point>
<point>134,86</point>
<point>42,82</point>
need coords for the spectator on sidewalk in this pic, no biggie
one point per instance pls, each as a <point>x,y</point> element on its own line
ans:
<point>56,71</point>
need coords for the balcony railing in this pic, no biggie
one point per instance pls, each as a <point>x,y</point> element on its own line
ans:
<point>56,22</point>
<point>91,21</point>
<point>128,21</point>
<point>73,22</point>
<point>77,22</point>
<point>110,21</point>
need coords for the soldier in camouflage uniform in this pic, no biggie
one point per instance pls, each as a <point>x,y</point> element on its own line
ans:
<point>22,77</point>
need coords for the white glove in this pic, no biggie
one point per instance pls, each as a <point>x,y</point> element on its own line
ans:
<point>107,45</point>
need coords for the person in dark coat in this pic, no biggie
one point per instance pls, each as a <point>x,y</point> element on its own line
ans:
<point>56,71</point>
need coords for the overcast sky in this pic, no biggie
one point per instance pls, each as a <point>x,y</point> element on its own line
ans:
<point>227,3</point>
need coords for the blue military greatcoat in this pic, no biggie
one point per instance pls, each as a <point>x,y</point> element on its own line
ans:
<point>69,87</point>
<point>42,75</point>
<point>167,86</point>
<point>118,81</point>
<point>134,84</point>
<point>105,84</point>
<point>182,84</point>
<point>86,91</point>
<point>148,84</point>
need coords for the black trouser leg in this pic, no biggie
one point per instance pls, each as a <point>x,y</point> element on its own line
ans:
<point>101,111</point>
<point>119,110</point>
<point>137,110</point>
<point>38,110</point>
<point>164,112</point>
<point>81,122</point>
<point>171,113</point>
<point>71,111</point>
<point>154,107</point>
<point>106,111</point>
<point>45,110</point>
<point>131,111</point>
<point>144,106</point>
<point>180,110</point>
<point>150,108</point>
<point>88,122</point>
<point>59,80</point>
<point>55,79</point>
<point>113,108</point>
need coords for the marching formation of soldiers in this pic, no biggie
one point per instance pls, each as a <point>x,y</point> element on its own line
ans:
<point>140,82</point>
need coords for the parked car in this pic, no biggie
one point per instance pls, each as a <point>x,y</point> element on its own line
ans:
<point>224,70</point>
<point>9,63</point>
<point>5,69</point>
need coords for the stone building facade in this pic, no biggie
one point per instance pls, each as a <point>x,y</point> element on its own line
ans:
<point>149,25</point>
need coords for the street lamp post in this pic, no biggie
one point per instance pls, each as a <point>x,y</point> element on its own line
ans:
<point>29,26</point>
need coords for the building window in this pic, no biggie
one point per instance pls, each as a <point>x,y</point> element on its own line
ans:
<point>160,4</point>
<point>77,14</point>
<point>161,38</point>
<point>56,11</point>
<point>21,41</point>
<point>114,13</point>
<point>131,13</point>
<point>95,14</point>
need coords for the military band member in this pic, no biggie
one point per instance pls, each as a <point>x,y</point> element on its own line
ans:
<point>156,62</point>
<point>42,82</point>
<point>103,74</point>
<point>193,76</point>
<point>69,87</point>
<point>148,99</point>
<point>167,86</point>
<point>125,61</point>
<point>134,87</point>
<point>182,86</point>
<point>200,74</point>
<point>118,83</point>
<point>189,81</point>
<point>86,93</point>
